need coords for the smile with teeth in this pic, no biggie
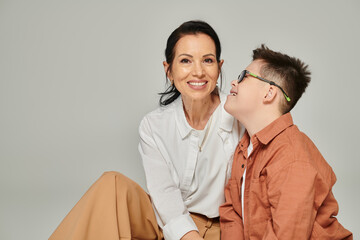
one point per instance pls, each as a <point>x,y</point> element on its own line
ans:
<point>197,83</point>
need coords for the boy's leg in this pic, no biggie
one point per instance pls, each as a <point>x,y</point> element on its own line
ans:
<point>114,208</point>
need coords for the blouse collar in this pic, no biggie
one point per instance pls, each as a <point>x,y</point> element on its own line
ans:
<point>226,121</point>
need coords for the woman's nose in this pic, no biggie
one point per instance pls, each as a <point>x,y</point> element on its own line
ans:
<point>198,70</point>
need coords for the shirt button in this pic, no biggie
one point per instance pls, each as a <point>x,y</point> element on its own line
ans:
<point>242,166</point>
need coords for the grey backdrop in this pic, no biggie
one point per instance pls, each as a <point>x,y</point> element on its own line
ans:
<point>76,77</point>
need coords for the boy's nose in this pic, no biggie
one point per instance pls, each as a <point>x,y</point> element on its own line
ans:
<point>234,83</point>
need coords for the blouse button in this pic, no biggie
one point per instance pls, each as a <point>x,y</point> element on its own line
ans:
<point>242,166</point>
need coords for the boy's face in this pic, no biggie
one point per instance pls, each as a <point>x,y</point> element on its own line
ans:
<point>246,97</point>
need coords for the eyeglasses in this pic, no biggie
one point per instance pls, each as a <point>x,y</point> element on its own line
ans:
<point>243,74</point>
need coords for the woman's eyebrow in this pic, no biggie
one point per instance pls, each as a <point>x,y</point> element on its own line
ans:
<point>185,54</point>
<point>188,55</point>
<point>210,54</point>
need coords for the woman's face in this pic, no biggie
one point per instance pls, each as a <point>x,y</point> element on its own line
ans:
<point>194,70</point>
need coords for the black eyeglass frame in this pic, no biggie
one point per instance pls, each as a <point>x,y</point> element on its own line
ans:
<point>244,72</point>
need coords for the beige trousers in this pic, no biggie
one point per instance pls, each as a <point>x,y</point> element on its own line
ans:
<point>115,208</point>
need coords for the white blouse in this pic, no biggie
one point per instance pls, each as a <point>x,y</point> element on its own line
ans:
<point>180,177</point>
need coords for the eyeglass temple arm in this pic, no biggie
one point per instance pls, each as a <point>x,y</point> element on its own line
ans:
<point>271,83</point>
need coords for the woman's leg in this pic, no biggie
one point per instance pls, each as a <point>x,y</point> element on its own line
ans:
<point>114,208</point>
<point>209,229</point>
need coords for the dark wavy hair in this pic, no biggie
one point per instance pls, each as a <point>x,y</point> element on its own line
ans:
<point>292,74</point>
<point>187,28</point>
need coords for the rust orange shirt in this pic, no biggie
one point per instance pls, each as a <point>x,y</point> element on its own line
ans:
<point>287,189</point>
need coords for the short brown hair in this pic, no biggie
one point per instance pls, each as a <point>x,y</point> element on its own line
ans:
<point>289,72</point>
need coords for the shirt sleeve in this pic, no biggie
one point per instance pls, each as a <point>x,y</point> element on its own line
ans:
<point>291,193</point>
<point>172,214</point>
<point>230,221</point>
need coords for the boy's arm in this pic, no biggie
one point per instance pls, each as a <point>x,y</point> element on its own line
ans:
<point>230,222</point>
<point>291,193</point>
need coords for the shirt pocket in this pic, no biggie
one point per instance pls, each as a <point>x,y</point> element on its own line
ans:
<point>259,205</point>
<point>259,208</point>
<point>258,187</point>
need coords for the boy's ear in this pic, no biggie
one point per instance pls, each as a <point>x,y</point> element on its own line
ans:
<point>270,95</point>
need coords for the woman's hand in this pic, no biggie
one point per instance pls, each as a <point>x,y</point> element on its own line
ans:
<point>192,235</point>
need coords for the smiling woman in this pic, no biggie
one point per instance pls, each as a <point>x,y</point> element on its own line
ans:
<point>191,28</point>
<point>194,72</point>
<point>186,146</point>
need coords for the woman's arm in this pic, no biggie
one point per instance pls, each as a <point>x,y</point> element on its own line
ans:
<point>173,215</point>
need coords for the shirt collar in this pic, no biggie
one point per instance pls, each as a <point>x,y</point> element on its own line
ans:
<point>275,128</point>
<point>181,122</point>
<point>226,121</point>
<point>266,134</point>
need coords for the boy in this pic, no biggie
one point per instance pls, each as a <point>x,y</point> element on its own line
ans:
<point>280,187</point>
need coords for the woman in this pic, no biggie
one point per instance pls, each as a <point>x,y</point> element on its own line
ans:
<point>186,146</point>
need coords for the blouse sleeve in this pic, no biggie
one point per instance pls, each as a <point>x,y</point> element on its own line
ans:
<point>172,214</point>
